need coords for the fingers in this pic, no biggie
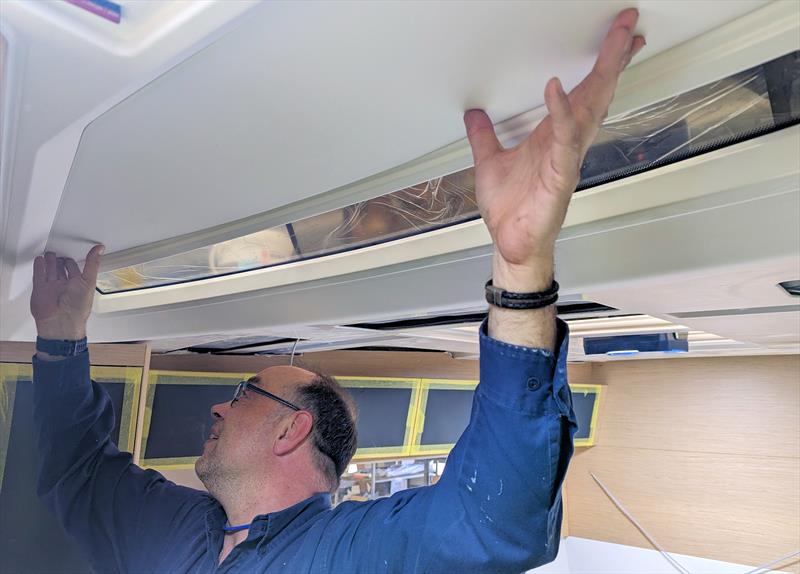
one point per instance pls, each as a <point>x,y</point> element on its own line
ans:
<point>73,270</point>
<point>626,18</point>
<point>610,62</point>
<point>616,45</point>
<point>51,266</point>
<point>480,132</point>
<point>565,155</point>
<point>638,43</point>
<point>39,270</point>
<point>92,265</point>
<point>61,268</point>
<point>592,97</point>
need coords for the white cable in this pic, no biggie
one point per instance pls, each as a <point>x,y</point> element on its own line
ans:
<point>291,359</point>
<point>774,562</point>
<point>666,555</point>
<point>641,529</point>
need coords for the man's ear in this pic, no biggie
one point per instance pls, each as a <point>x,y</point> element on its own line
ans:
<point>294,430</point>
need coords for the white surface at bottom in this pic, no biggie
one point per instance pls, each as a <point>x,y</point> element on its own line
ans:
<point>584,556</point>
<point>558,566</point>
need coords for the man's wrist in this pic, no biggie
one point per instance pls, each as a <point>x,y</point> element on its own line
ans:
<point>524,327</point>
<point>534,276</point>
<point>60,331</point>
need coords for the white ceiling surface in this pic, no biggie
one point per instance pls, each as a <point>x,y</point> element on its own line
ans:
<point>305,97</point>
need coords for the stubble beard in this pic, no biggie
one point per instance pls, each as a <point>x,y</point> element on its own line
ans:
<point>210,471</point>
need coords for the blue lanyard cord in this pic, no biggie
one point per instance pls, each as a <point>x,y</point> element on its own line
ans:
<point>229,529</point>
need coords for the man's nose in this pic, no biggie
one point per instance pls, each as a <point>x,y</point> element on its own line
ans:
<point>220,410</point>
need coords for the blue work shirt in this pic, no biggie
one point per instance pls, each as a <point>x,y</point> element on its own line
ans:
<point>496,508</point>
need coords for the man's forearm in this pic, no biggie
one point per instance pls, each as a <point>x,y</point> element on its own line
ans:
<point>534,328</point>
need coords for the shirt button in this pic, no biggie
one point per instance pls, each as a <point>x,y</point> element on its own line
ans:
<point>534,384</point>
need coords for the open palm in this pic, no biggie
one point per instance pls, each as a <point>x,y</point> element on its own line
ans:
<point>523,192</point>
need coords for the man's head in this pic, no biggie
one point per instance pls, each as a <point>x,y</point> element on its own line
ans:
<point>259,440</point>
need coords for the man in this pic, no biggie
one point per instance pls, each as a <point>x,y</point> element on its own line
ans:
<point>279,447</point>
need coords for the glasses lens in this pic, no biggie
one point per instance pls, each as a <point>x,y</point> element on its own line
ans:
<point>237,393</point>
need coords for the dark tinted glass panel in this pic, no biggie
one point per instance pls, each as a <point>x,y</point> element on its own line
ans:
<point>382,416</point>
<point>718,114</point>
<point>446,415</point>
<point>181,418</point>
<point>583,405</point>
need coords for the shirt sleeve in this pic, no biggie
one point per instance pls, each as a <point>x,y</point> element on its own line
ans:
<point>497,507</point>
<point>121,516</point>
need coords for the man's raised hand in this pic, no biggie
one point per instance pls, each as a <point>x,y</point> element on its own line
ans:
<point>523,192</point>
<point>62,295</point>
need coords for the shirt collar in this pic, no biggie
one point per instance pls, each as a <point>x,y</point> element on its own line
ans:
<point>269,525</point>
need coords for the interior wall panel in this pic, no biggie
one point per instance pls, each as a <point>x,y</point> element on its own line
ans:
<point>705,453</point>
<point>734,405</point>
<point>106,354</point>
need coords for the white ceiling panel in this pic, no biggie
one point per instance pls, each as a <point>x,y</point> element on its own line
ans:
<point>687,296</point>
<point>309,96</point>
<point>770,330</point>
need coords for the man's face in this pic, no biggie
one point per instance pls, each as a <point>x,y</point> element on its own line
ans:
<point>241,439</point>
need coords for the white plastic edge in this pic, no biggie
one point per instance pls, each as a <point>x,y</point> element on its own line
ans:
<point>10,70</point>
<point>771,157</point>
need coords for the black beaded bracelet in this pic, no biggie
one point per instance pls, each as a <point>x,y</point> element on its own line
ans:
<point>509,300</point>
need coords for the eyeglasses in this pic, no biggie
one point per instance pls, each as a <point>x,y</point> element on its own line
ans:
<point>248,386</point>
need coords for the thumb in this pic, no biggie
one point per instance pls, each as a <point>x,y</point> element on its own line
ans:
<point>92,265</point>
<point>481,136</point>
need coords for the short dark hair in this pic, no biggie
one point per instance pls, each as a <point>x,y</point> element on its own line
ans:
<point>334,431</point>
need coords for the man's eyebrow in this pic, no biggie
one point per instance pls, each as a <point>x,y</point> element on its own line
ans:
<point>254,379</point>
